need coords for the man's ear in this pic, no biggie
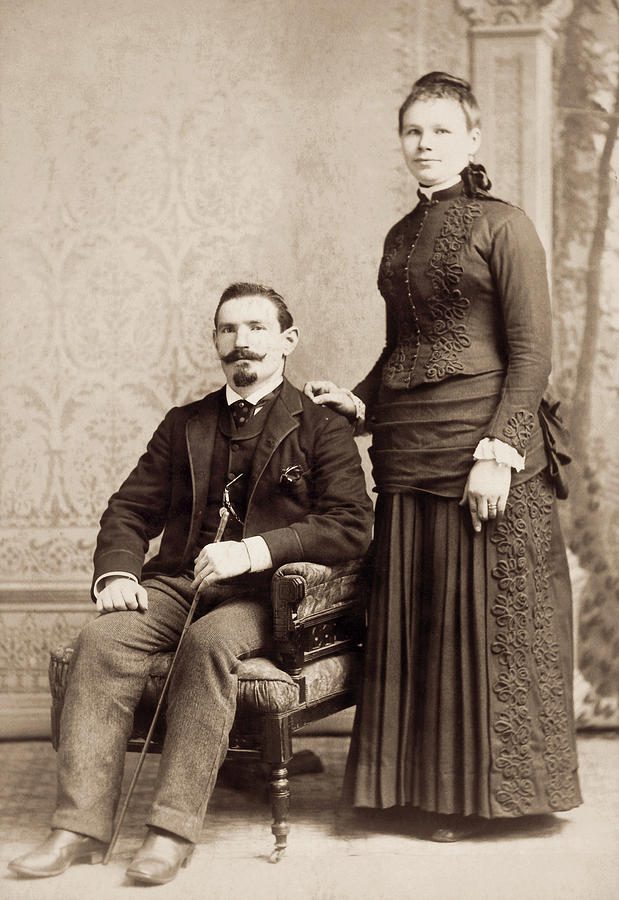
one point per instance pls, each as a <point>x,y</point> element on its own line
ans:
<point>291,339</point>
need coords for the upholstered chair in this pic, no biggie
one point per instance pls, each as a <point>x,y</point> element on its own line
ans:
<point>314,671</point>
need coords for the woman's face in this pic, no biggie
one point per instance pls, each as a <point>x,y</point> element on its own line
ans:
<point>436,140</point>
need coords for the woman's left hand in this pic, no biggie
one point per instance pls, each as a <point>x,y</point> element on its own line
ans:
<point>486,490</point>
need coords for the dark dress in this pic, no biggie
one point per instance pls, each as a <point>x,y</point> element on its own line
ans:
<point>466,704</point>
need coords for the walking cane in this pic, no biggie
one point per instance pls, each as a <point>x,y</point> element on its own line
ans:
<point>224,515</point>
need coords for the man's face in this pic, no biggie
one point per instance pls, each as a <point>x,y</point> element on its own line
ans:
<point>250,343</point>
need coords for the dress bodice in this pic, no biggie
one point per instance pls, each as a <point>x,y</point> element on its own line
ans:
<point>465,288</point>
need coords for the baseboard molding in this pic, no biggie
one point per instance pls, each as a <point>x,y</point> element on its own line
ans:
<point>25,717</point>
<point>31,624</point>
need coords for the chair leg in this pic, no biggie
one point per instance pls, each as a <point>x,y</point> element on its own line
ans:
<point>280,796</point>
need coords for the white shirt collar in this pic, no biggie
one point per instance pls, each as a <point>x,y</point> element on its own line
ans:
<point>257,395</point>
<point>428,191</point>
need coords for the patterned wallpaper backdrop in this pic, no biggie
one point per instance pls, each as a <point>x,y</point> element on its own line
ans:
<point>154,152</point>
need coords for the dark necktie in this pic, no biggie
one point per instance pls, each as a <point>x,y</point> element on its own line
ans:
<point>241,410</point>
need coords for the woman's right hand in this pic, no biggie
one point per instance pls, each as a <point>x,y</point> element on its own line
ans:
<point>326,393</point>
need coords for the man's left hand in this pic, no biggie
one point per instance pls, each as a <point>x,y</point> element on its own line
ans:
<point>215,562</point>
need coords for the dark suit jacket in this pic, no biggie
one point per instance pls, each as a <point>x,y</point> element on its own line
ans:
<point>325,517</point>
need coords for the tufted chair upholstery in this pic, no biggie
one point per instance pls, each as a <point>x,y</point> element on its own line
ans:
<point>319,627</point>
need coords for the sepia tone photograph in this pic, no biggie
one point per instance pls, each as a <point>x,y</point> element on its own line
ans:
<point>309,494</point>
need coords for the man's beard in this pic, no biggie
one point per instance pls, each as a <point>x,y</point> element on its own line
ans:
<point>243,377</point>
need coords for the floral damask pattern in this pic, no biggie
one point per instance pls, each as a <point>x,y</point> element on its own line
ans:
<point>25,641</point>
<point>525,638</point>
<point>448,306</point>
<point>108,297</point>
<point>145,168</point>
<point>518,429</point>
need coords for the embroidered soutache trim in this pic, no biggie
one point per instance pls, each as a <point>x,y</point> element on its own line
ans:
<point>448,307</point>
<point>529,512</point>
<point>518,429</point>
<point>512,724</point>
<point>398,370</point>
<point>559,751</point>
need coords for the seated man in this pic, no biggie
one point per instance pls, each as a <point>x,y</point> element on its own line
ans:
<point>295,489</point>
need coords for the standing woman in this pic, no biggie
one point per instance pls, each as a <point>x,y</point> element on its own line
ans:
<point>466,707</point>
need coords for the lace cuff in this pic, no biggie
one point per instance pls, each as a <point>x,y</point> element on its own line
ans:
<point>359,420</point>
<point>493,448</point>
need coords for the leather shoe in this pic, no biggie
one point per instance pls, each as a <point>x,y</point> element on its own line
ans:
<point>160,857</point>
<point>57,852</point>
<point>458,828</point>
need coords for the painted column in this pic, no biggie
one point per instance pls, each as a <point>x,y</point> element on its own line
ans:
<point>511,46</point>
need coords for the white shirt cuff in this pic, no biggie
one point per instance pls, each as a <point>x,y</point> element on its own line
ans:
<point>493,448</point>
<point>259,554</point>
<point>95,589</point>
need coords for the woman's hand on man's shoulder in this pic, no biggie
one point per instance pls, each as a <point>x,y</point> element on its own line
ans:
<point>326,393</point>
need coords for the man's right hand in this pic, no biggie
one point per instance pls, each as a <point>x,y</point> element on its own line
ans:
<point>121,594</point>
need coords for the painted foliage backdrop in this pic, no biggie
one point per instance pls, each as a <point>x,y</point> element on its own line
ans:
<point>153,152</point>
<point>586,266</point>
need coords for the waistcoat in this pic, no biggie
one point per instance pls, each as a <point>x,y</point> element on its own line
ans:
<point>233,456</point>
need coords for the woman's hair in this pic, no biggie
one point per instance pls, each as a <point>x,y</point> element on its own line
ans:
<point>441,84</point>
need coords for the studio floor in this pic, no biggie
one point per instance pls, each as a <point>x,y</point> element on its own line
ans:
<point>333,854</point>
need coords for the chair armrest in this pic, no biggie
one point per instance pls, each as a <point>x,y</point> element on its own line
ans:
<point>318,610</point>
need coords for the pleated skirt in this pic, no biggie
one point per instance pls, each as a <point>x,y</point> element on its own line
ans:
<point>466,701</point>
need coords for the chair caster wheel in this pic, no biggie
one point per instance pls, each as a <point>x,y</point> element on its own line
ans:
<point>277,854</point>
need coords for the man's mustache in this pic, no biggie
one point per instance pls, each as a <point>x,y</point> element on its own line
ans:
<point>237,355</point>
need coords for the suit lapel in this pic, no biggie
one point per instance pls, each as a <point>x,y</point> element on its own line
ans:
<point>282,419</point>
<point>200,435</point>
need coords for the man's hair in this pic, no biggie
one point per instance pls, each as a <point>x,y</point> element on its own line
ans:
<point>247,289</point>
<point>441,84</point>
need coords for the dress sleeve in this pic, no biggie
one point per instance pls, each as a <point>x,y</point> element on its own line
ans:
<point>518,266</point>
